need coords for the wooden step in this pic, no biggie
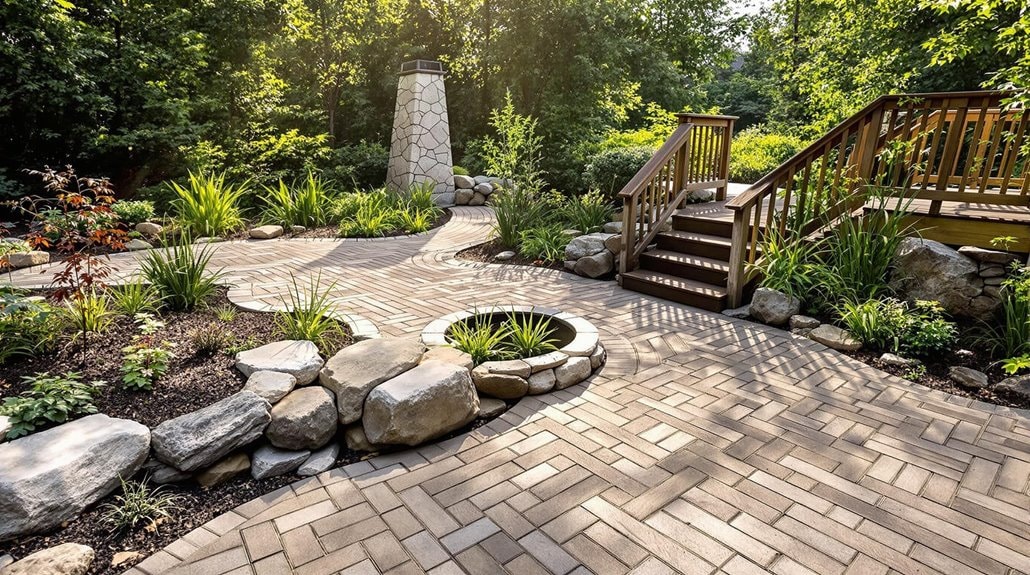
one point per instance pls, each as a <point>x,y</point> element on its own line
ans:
<point>702,225</point>
<point>670,287</point>
<point>690,266</point>
<point>698,244</point>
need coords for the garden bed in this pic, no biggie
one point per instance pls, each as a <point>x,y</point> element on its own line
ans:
<point>333,232</point>
<point>487,252</point>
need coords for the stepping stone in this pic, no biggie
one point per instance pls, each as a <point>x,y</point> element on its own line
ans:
<point>266,232</point>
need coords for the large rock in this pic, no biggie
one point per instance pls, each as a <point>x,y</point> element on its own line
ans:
<point>572,372</point>
<point>499,385</point>
<point>463,197</point>
<point>298,358</point>
<point>422,404</point>
<point>27,259</point>
<point>929,270</point>
<point>271,385</point>
<point>584,246</point>
<point>51,476</point>
<point>485,188</point>
<point>266,232</point>
<point>271,461</point>
<point>1018,386</point>
<point>612,228</point>
<point>198,439</point>
<point>304,419</point>
<point>136,245</point>
<point>224,470</point>
<point>988,256</point>
<point>803,322</point>
<point>478,199</point>
<point>463,182</point>
<point>159,472</point>
<point>968,377</point>
<point>773,307</point>
<point>356,440</point>
<point>449,355</point>
<point>835,338</point>
<point>149,228</point>
<point>319,461</point>
<point>490,407</point>
<point>358,368</point>
<point>64,559</point>
<point>541,382</point>
<point>596,265</point>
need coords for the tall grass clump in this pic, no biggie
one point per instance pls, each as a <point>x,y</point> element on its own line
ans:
<point>209,206</point>
<point>306,203</point>
<point>515,211</point>
<point>529,335</point>
<point>180,274</point>
<point>135,297</point>
<point>479,338</point>
<point>788,264</point>
<point>545,243</point>
<point>1008,336</point>
<point>308,314</point>
<point>587,213</point>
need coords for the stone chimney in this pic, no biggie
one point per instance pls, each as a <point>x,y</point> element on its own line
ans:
<point>420,149</point>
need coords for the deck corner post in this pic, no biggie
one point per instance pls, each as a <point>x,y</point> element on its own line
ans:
<point>738,249</point>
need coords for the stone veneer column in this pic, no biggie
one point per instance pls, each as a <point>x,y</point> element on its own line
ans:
<point>420,150</point>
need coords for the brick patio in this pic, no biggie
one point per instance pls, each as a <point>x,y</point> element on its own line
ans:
<point>705,445</point>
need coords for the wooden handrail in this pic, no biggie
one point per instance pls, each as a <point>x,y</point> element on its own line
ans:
<point>958,147</point>
<point>694,157</point>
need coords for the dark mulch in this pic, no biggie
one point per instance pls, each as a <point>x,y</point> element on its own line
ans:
<point>193,380</point>
<point>487,251</point>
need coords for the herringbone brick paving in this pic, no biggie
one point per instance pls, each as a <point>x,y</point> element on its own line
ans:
<point>705,445</point>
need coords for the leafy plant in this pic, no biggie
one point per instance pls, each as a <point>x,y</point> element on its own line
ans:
<point>132,212</point>
<point>145,361</point>
<point>515,153</point>
<point>1014,365</point>
<point>89,312</point>
<point>138,505</point>
<point>180,274</point>
<point>225,313</point>
<point>27,325</point>
<point>308,314</point>
<point>547,243</point>
<point>209,206</point>
<point>135,297</point>
<point>1009,335</point>
<point>420,198</point>
<point>415,221</point>
<point>529,335</point>
<point>459,171</point>
<point>788,264</point>
<point>306,203</point>
<point>49,400</point>
<point>479,338</point>
<point>587,213</point>
<point>610,170</point>
<point>892,325</point>
<point>757,151</point>
<point>211,340</point>
<point>375,216</point>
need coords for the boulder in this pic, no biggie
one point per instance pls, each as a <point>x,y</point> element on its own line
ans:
<point>499,385</point>
<point>929,270</point>
<point>485,189</point>
<point>988,256</point>
<point>463,197</point>
<point>478,199</point>
<point>271,461</point>
<point>270,385</point>
<point>266,232</point>
<point>482,179</point>
<point>322,460</point>
<point>572,372</point>
<point>64,559</point>
<point>298,229</point>
<point>200,438</point>
<point>773,307</point>
<point>160,473</point>
<point>570,265</point>
<point>50,476</point>
<point>742,312</point>
<point>224,470</point>
<point>356,440</point>
<point>991,271</point>
<point>1018,386</point>
<point>597,358</point>
<point>5,426</point>
<point>510,367</point>
<point>28,259</point>
<point>701,196</point>
<point>835,338</point>
<point>490,407</point>
<point>304,419</point>
<point>358,368</point>
<point>541,382</point>
<point>896,360</point>
<point>546,361</point>
<point>431,400</point>
<point>136,245</point>
<point>803,322</point>
<point>584,246</point>
<point>612,228</point>
<point>505,256</point>
<point>149,228</point>
<point>596,265</point>
<point>613,244</point>
<point>449,355</point>
<point>463,182</point>
<point>298,358</point>
<point>968,377</point>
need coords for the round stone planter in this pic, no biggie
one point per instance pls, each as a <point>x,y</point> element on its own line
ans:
<point>578,356</point>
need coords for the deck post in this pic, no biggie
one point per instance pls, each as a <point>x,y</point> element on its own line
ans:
<point>724,161</point>
<point>738,249</point>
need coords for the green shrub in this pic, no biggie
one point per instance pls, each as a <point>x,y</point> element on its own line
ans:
<point>306,203</point>
<point>420,197</point>
<point>892,325</point>
<point>547,243</point>
<point>610,170</point>
<point>135,297</point>
<point>459,171</point>
<point>515,211</point>
<point>146,360</point>
<point>788,264</point>
<point>529,335</point>
<point>49,400</point>
<point>180,274</point>
<point>138,505</point>
<point>344,207</point>
<point>27,326</point>
<point>1009,335</point>
<point>415,221</point>
<point>363,165</point>
<point>515,153</point>
<point>756,152</point>
<point>209,206</point>
<point>133,212</point>
<point>588,212</point>
<point>375,216</point>
<point>308,314</point>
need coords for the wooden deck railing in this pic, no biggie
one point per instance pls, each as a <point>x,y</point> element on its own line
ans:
<point>949,147</point>
<point>695,157</point>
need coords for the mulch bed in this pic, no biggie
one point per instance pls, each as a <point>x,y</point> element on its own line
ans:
<point>487,251</point>
<point>333,232</point>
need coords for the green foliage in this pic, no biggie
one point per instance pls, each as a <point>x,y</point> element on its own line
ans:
<point>459,171</point>
<point>135,297</point>
<point>27,326</point>
<point>209,206</point>
<point>479,338</point>
<point>529,335</point>
<point>892,325</point>
<point>756,152</point>
<point>49,400</point>
<point>133,212</point>
<point>789,264</point>
<point>362,165</point>
<point>515,154</point>
<point>610,170</point>
<point>515,211</point>
<point>89,312</point>
<point>545,243</point>
<point>138,504</point>
<point>146,360</point>
<point>305,203</point>
<point>588,212</point>
<point>1014,365</point>
<point>225,313</point>
<point>309,314</point>
<point>374,216</point>
<point>180,274</point>
<point>1009,335</point>
<point>211,340</point>
<point>415,221</point>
